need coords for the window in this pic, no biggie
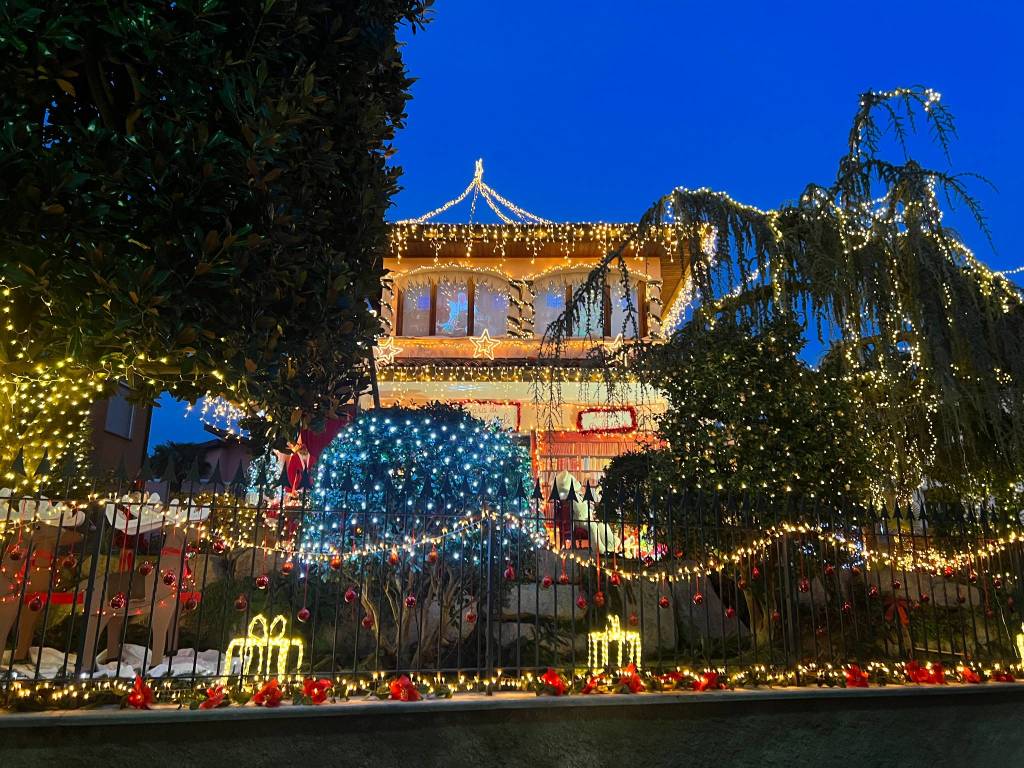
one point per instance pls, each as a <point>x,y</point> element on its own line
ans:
<point>416,310</point>
<point>622,321</point>
<point>490,309</point>
<point>598,315</point>
<point>120,413</point>
<point>548,304</point>
<point>455,303</point>
<point>452,308</point>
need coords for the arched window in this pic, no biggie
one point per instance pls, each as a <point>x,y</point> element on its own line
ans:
<point>452,303</point>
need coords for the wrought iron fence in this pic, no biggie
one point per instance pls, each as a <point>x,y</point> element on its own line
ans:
<point>468,584</point>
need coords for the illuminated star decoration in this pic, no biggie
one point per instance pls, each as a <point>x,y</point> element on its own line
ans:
<point>614,346</point>
<point>385,351</point>
<point>483,345</point>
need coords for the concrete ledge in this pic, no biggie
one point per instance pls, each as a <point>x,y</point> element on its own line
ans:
<point>898,725</point>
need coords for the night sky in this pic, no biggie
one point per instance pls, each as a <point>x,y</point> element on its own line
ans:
<point>591,111</point>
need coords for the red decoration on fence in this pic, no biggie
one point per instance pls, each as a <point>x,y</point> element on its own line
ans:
<point>403,689</point>
<point>269,695</point>
<point>141,695</point>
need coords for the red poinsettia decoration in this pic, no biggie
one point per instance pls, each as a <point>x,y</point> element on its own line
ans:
<point>630,680</point>
<point>215,698</point>
<point>141,695</point>
<point>553,682</point>
<point>269,695</point>
<point>968,675</point>
<point>593,685</point>
<point>1002,676</point>
<point>708,681</point>
<point>316,690</point>
<point>403,689</point>
<point>856,677</point>
<point>933,675</point>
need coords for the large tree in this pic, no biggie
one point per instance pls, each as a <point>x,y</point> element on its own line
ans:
<point>192,196</point>
<point>930,337</point>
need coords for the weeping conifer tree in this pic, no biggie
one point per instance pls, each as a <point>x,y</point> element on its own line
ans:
<point>931,340</point>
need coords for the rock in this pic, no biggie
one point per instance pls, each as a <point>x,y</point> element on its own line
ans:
<point>550,564</point>
<point>557,602</point>
<point>510,633</point>
<point>657,625</point>
<point>944,593</point>
<point>704,621</point>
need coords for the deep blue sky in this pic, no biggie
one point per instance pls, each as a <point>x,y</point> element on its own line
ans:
<point>591,111</point>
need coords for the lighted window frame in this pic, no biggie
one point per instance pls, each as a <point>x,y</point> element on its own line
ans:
<point>607,329</point>
<point>432,325</point>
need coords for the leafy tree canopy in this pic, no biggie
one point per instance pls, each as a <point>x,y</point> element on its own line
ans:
<point>193,193</point>
<point>932,339</point>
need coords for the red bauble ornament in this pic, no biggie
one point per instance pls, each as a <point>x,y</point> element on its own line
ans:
<point>219,547</point>
<point>241,603</point>
<point>698,598</point>
<point>776,616</point>
<point>633,619</point>
<point>367,621</point>
<point>69,562</point>
<point>546,582</point>
<point>470,617</point>
<point>730,612</point>
<point>191,604</point>
<point>336,563</point>
<point>15,553</point>
<point>510,573</point>
<point>873,591</point>
<point>432,556</point>
<point>855,570</point>
<point>169,578</point>
<point>35,604</point>
<point>924,597</point>
<point>830,569</point>
<point>393,558</point>
<point>742,584</point>
<point>118,601</point>
<point>563,579</point>
<point>997,582</point>
<point>287,567</point>
<point>303,614</point>
<point>351,595</point>
<point>947,571</point>
<point>581,602</point>
<point>145,568</point>
<point>804,585</point>
<point>847,608</point>
<point>755,573</point>
<point>410,601</point>
<point>599,599</point>
<point>896,584</point>
<point>972,577</point>
<point>615,579</point>
<point>663,601</point>
<point>262,581</point>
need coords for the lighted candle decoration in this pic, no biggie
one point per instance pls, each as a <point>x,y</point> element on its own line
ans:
<point>260,642</point>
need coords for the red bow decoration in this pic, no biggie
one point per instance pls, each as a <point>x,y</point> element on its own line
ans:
<point>269,695</point>
<point>935,675</point>
<point>897,606</point>
<point>215,698</point>
<point>554,681</point>
<point>707,682</point>
<point>141,695</point>
<point>316,690</point>
<point>1002,676</point>
<point>968,675</point>
<point>631,681</point>
<point>856,677</point>
<point>403,689</point>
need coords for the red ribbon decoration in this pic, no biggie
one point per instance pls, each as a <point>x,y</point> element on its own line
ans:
<point>631,680</point>
<point>214,698</point>
<point>316,690</point>
<point>554,681</point>
<point>269,695</point>
<point>856,677</point>
<point>707,682</point>
<point>969,675</point>
<point>935,675</point>
<point>897,606</point>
